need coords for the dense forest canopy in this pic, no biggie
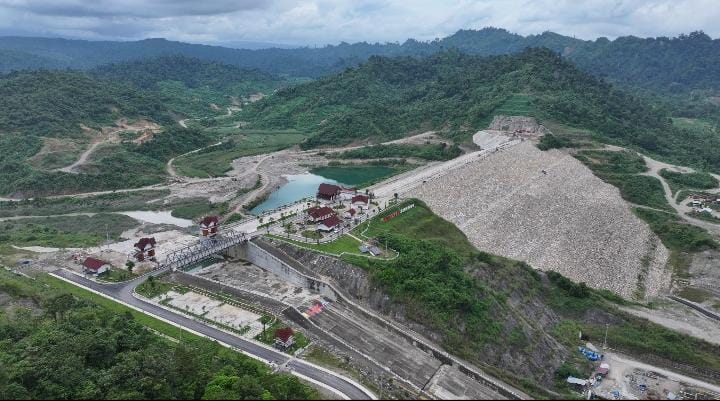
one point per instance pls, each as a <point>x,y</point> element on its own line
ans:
<point>667,64</point>
<point>192,72</point>
<point>386,98</point>
<point>56,346</point>
<point>54,103</point>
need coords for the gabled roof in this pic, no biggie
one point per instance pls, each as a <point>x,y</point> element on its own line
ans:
<point>145,243</point>
<point>318,212</point>
<point>352,212</point>
<point>209,221</point>
<point>360,198</point>
<point>328,189</point>
<point>284,334</point>
<point>94,264</point>
<point>331,221</point>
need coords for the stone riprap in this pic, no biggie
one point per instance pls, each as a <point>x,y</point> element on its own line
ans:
<point>549,210</point>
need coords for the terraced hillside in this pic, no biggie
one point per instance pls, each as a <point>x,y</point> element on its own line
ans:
<point>549,210</point>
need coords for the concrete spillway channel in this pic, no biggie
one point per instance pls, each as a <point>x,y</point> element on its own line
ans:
<point>407,356</point>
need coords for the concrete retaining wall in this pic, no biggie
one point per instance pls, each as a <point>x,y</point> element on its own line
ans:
<point>260,257</point>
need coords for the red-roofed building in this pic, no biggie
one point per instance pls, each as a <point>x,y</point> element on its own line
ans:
<point>315,214</point>
<point>284,338</point>
<point>361,201</point>
<point>329,224</point>
<point>349,214</point>
<point>328,191</point>
<point>145,249</point>
<point>209,226</point>
<point>95,266</point>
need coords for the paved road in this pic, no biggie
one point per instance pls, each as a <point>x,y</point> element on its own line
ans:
<point>124,293</point>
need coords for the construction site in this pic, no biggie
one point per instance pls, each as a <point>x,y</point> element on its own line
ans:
<point>508,197</point>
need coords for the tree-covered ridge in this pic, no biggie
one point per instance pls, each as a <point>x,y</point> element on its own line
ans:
<point>668,64</point>
<point>192,72</point>
<point>387,98</point>
<point>55,103</point>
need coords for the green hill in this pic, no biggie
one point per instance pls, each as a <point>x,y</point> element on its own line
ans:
<point>191,86</point>
<point>192,72</point>
<point>54,103</point>
<point>669,65</point>
<point>388,98</point>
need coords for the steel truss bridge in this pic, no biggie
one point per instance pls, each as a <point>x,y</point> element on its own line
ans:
<point>205,247</point>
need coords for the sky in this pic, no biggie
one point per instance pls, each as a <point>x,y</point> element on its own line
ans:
<point>320,22</point>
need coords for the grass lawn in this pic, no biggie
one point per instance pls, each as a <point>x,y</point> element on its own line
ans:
<point>268,337</point>
<point>344,244</point>
<point>312,234</point>
<point>216,161</point>
<point>117,275</point>
<point>418,222</point>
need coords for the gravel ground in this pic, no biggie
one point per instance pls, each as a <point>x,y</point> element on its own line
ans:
<point>566,219</point>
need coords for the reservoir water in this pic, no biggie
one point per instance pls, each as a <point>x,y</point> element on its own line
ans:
<point>299,186</point>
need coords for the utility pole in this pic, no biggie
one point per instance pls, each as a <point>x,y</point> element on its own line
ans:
<point>606,333</point>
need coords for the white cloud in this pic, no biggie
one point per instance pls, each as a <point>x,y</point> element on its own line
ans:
<point>331,21</point>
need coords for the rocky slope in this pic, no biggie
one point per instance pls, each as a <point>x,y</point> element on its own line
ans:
<point>547,209</point>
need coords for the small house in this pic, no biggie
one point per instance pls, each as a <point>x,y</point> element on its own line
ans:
<point>95,266</point>
<point>361,201</point>
<point>375,251</point>
<point>315,214</point>
<point>349,214</point>
<point>603,370</point>
<point>284,338</point>
<point>209,226</point>
<point>145,249</point>
<point>328,191</point>
<point>329,224</point>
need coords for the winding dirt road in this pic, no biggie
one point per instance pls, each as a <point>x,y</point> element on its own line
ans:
<point>83,157</point>
<point>654,167</point>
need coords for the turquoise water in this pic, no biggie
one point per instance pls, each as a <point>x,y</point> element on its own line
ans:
<point>299,186</point>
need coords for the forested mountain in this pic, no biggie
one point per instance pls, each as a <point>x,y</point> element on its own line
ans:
<point>192,72</point>
<point>389,97</point>
<point>54,103</point>
<point>666,64</point>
